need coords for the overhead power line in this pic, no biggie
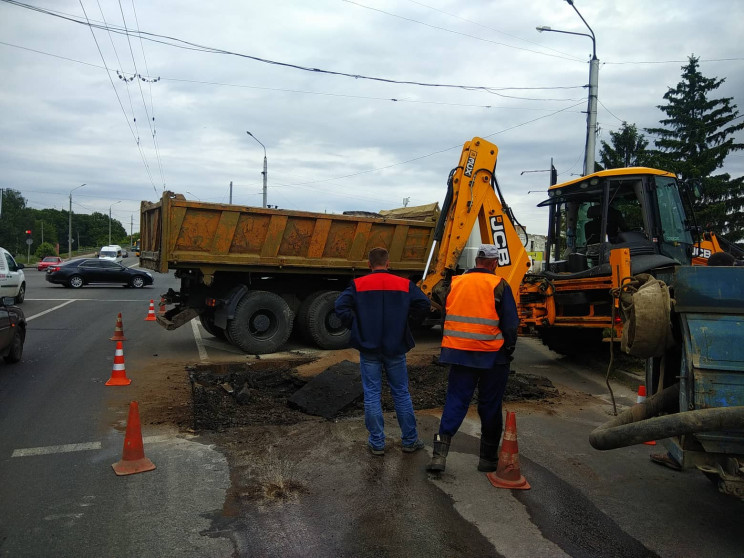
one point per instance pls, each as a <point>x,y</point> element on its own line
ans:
<point>187,45</point>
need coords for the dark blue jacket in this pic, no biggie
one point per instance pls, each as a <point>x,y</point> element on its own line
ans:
<point>376,308</point>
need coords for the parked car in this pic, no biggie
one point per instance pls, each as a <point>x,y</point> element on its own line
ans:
<point>46,262</point>
<point>12,330</point>
<point>12,278</point>
<point>77,273</point>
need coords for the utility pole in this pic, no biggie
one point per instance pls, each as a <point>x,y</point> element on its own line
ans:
<point>591,116</point>
<point>231,193</point>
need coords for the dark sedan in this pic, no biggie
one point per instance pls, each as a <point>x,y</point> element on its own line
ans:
<point>12,330</point>
<point>77,273</point>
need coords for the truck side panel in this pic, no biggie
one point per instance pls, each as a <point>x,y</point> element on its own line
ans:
<point>177,233</point>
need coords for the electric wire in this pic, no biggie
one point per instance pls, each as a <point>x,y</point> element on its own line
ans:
<point>564,57</point>
<point>142,94</point>
<point>305,92</point>
<point>108,73</point>
<point>152,103</point>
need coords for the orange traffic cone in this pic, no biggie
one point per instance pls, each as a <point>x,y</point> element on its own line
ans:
<point>133,458</point>
<point>640,399</point>
<point>118,330</point>
<point>508,474</point>
<point>118,373</point>
<point>151,312</point>
<point>161,310</point>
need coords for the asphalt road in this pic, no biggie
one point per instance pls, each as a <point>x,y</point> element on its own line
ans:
<point>62,428</point>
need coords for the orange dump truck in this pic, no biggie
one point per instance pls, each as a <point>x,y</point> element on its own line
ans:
<point>252,274</point>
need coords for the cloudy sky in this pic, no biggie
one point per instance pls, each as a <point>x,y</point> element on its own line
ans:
<point>335,140</point>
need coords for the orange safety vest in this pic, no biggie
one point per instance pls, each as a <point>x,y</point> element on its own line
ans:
<point>471,322</point>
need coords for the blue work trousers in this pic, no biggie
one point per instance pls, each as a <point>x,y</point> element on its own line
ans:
<point>491,383</point>
<point>371,365</point>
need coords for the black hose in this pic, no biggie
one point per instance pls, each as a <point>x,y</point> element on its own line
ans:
<point>640,424</point>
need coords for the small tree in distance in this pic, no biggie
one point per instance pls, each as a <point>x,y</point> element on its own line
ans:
<point>628,149</point>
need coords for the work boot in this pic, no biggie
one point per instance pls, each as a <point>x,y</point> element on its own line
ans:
<point>439,457</point>
<point>489,456</point>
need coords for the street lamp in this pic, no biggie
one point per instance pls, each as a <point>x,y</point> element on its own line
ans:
<point>265,172</point>
<point>69,230</point>
<point>591,117</point>
<point>110,206</point>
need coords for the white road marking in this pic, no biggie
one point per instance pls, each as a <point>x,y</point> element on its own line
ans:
<point>67,448</point>
<point>28,319</point>
<point>198,338</point>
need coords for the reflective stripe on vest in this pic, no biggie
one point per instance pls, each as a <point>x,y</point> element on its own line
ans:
<point>471,322</point>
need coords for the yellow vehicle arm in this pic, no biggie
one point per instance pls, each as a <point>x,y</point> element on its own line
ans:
<point>472,197</point>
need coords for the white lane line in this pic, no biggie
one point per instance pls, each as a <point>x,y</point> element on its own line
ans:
<point>85,446</point>
<point>198,338</point>
<point>28,319</point>
<point>67,448</point>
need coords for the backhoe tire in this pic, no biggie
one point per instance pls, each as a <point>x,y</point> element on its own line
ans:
<point>572,341</point>
<point>207,322</point>
<point>262,323</point>
<point>323,326</point>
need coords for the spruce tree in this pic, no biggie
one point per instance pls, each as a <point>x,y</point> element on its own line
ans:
<point>696,138</point>
<point>628,149</point>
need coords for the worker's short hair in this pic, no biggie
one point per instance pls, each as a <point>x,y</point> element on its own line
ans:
<point>378,257</point>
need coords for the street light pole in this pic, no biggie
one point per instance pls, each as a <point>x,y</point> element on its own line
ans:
<point>591,116</point>
<point>110,206</point>
<point>265,170</point>
<point>69,230</point>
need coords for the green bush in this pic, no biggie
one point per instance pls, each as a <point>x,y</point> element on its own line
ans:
<point>45,249</point>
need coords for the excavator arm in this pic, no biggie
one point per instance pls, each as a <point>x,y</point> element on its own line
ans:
<point>473,197</point>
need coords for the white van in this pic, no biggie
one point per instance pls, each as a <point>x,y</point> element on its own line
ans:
<point>111,253</point>
<point>12,278</point>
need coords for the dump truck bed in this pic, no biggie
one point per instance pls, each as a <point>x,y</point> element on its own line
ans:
<point>182,234</point>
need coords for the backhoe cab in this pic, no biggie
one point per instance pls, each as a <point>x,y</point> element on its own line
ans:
<point>592,219</point>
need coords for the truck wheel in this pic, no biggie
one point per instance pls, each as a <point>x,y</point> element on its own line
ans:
<point>207,323</point>
<point>323,325</point>
<point>301,316</point>
<point>262,324</point>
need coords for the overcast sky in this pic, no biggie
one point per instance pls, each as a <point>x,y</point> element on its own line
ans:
<point>333,142</point>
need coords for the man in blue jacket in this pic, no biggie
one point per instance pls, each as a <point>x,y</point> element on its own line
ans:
<point>376,309</point>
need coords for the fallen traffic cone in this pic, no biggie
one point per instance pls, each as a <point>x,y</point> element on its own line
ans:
<point>151,312</point>
<point>133,458</point>
<point>161,310</point>
<point>640,399</point>
<point>507,474</point>
<point>118,330</point>
<point>118,373</point>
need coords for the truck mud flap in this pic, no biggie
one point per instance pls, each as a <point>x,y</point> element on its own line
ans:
<point>176,318</point>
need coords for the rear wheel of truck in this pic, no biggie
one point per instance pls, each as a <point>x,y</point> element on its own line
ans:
<point>207,322</point>
<point>262,323</point>
<point>323,325</point>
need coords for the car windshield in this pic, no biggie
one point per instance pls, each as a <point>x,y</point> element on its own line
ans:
<point>108,254</point>
<point>50,259</point>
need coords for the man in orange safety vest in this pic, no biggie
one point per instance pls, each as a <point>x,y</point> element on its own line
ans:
<point>479,336</point>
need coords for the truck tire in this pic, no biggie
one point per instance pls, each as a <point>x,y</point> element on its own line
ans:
<point>207,322</point>
<point>262,323</point>
<point>301,317</point>
<point>323,326</point>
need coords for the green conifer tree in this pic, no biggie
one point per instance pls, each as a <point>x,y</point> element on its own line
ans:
<point>694,141</point>
<point>628,149</point>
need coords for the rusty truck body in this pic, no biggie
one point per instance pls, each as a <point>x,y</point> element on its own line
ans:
<point>252,275</point>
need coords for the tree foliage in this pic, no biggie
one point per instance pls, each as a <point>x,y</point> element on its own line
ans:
<point>627,149</point>
<point>694,140</point>
<point>52,226</point>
